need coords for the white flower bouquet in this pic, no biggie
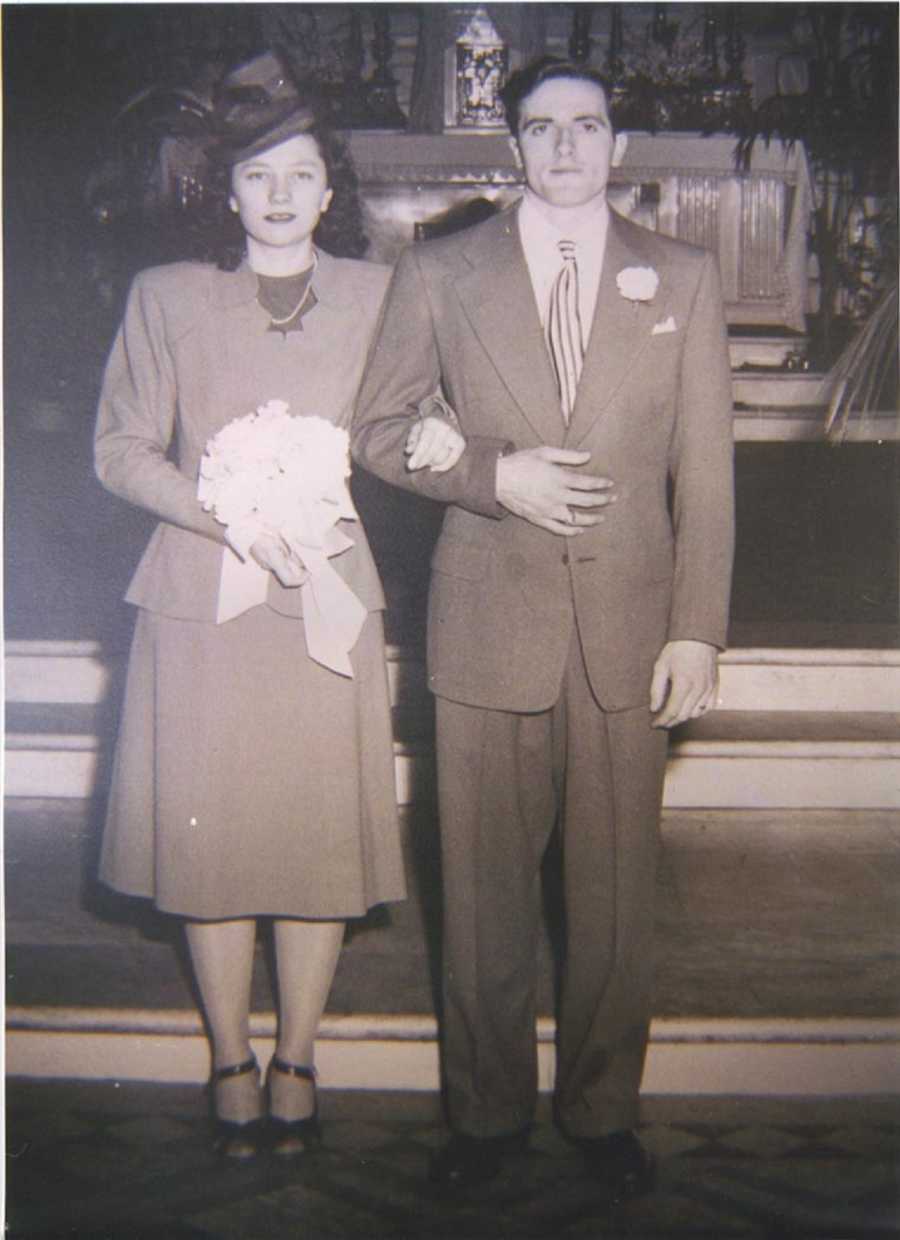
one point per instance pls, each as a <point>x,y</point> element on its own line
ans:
<point>271,471</point>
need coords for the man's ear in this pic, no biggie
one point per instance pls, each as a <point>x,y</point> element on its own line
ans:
<point>514,147</point>
<point>620,146</point>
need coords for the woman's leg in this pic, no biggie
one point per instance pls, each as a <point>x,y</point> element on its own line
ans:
<point>306,954</point>
<point>222,956</point>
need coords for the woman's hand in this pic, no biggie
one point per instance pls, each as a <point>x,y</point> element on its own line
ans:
<point>272,553</point>
<point>434,443</point>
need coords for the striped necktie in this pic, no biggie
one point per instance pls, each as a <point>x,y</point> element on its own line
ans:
<point>563,329</point>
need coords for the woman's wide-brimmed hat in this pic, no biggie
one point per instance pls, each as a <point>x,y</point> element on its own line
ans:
<point>252,127</point>
<point>259,106</point>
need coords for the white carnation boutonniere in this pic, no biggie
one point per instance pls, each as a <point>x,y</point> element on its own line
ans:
<point>638,283</point>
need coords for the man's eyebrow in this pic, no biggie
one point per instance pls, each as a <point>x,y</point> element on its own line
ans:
<point>548,120</point>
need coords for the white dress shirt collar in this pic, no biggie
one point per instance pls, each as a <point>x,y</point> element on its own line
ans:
<point>540,238</point>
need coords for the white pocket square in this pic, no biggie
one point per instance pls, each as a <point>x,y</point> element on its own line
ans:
<point>667,325</point>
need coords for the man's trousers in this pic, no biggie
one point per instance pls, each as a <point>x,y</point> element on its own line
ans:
<point>505,781</point>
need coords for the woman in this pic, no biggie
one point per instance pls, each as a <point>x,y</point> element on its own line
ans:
<point>250,780</point>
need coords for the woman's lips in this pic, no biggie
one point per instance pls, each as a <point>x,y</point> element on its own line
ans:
<point>280,217</point>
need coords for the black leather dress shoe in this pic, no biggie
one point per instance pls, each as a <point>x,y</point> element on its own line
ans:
<point>466,1162</point>
<point>620,1164</point>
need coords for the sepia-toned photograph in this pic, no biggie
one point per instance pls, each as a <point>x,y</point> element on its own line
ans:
<point>451,621</point>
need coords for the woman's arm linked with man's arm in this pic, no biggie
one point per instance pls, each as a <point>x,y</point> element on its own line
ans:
<point>404,370</point>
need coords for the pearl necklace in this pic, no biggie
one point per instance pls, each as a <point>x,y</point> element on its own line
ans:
<point>301,303</point>
<point>293,314</point>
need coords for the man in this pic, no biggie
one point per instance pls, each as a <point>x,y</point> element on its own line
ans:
<point>579,595</point>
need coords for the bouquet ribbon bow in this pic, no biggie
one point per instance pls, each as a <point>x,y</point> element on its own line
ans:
<point>271,471</point>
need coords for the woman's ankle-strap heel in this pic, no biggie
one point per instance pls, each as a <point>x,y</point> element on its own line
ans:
<point>236,1139</point>
<point>292,1137</point>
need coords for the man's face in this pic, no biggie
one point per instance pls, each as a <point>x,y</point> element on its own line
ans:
<point>566,141</point>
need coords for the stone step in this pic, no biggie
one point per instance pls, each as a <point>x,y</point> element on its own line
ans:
<point>738,758</point>
<point>775,1058</point>
<point>797,727</point>
<point>777,962</point>
<point>761,913</point>
<point>752,678</point>
<point>65,750</point>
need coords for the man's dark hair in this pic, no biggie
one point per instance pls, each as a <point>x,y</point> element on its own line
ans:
<point>531,76</point>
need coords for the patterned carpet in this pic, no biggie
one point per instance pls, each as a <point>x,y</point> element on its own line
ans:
<point>97,1161</point>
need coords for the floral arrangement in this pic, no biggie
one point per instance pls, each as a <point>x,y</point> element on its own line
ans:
<point>638,283</point>
<point>270,470</point>
<point>679,75</point>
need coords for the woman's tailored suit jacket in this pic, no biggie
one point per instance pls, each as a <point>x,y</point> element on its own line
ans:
<point>653,408</point>
<point>194,352</point>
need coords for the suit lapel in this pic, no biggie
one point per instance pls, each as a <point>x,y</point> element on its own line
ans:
<point>496,295</point>
<point>620,331</point>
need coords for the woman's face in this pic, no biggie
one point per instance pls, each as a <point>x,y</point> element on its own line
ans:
<point>280,194</point>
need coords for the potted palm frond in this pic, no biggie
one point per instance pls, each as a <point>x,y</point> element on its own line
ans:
<point>863,380</point>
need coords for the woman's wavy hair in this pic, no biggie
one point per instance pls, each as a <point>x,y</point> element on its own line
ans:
<point>339,231</point>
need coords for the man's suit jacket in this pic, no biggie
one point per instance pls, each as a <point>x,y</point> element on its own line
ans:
<point>653,409</point>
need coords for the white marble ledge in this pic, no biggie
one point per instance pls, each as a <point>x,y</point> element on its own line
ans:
<point>807,425</point>
<point>390,155</point>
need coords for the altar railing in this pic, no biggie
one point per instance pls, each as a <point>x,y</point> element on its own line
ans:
<point>682,184</point>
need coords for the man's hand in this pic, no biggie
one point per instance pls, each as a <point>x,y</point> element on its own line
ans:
<point>434,443</point>
<point>685,682</point>
<point>271,552</point>
<point>543,486</point>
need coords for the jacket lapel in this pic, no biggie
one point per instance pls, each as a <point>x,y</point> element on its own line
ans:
<point>494,289</point>
<point>621,328</point>
<point>232,289</point>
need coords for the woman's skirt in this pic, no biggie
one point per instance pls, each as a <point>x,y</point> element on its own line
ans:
<point>249,780</point>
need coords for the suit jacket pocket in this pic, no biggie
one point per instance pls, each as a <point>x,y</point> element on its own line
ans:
<point>464,560</point>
